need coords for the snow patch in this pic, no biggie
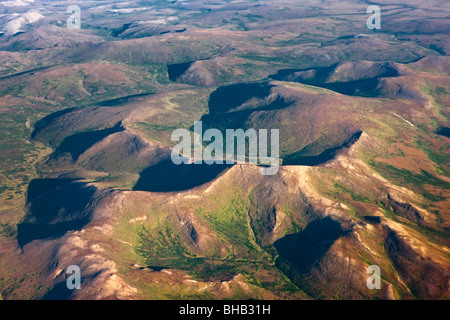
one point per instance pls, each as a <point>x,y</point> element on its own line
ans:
<point>17,3</point>
<point>13,23</point>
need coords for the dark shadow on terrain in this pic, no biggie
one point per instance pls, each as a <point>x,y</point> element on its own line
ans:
<point>115,33</point>
<point>288,74</point>
<point>30,72</point>
<point>364,87</point>
<point>121,100</point>
<point>80,142</point>
<point>177,70</point>
<point>327,155</point>
<point>47,120</point>
<point>230,97</point>
<point>59,292</point>
<point>444,131</point>
<point>55,206</point>
<point>372,219</point>
<point>303,256</point>
<point>168,177</point>
<point>237,119</point>
<point>303,249</point>
<point>153,268</point>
